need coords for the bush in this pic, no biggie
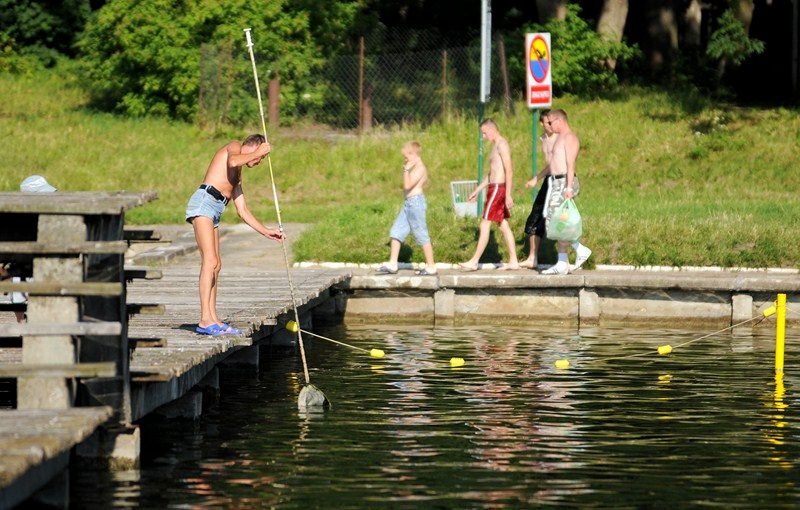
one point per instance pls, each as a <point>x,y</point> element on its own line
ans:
<point>143,58</point>
<point>730,41</point>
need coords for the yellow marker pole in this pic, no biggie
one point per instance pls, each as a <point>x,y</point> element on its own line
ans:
<point>780,333</point>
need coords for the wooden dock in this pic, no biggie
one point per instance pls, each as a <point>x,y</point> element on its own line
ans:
<point>170,356</point>
<point>107,343</point>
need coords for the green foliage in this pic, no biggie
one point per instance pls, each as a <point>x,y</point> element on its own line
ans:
<point>11,61</point>
<point>581,55</point>
<point>661,184</point>
<point>44,28</point>
<point>730,41</point>
<point>143,58</point>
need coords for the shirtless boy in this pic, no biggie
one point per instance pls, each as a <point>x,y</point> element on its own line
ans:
<point>564,185</point>
<point>411,218</point>
<point>498,198</point>
<point>222,183</point>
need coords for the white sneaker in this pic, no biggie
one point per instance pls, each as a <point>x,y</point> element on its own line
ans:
<point>582,255</point>
<point>560,268</point>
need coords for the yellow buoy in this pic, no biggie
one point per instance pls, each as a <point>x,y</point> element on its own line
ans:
<point>770,311</point>
<point>376,353</point>
<point>562,363</point>
<point>292,326</point>
<point>664,349</point>
<point>456,362</point>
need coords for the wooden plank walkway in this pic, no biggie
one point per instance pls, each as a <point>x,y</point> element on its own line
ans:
<point>35,446</point>
<point>176,358</point>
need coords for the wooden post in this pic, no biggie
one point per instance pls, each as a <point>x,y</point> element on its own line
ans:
<point>501,50</point>
<point>367,122</point>
<point>274,100</point>
<point>445,116</point>
<point>361,84</point>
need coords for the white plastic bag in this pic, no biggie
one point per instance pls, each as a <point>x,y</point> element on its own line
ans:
<point>566,223</point>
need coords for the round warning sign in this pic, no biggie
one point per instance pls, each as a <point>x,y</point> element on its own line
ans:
<point>538,76</point>
<point>539,58</point>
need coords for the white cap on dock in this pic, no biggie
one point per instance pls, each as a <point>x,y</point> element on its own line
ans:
<point>36,184</point>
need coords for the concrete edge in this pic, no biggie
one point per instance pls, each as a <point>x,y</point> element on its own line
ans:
<point>599,267</point>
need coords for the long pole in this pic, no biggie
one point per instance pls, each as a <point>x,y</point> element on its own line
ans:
<point>277,208</point>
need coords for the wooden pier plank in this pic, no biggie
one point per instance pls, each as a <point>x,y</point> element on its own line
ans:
<point>63,289</point>
<point>41,249</point>
<point>31,438</point>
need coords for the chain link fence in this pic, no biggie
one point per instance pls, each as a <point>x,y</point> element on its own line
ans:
<point>351,91</point>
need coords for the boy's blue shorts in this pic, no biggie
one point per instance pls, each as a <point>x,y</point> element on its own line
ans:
<point>411,219</point>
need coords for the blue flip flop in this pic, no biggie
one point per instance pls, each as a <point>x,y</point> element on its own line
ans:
<point>227,329</point>
<point>211,330</point>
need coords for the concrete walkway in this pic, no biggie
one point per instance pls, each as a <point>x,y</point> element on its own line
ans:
<point>612,293</point>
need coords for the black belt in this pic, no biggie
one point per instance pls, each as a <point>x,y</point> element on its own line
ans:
<point>214,192</point>
<point>562,176</point>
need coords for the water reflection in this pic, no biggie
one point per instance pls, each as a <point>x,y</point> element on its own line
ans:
<point>506,430</point>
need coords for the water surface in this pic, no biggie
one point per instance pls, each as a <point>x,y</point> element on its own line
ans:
<point>705,426</point>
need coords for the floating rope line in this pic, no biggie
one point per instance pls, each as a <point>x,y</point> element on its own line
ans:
<point>375,353</point>
<point>662,349</point>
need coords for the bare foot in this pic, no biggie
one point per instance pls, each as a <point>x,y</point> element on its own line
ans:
<point>508,267</point>
<point>466,266</point>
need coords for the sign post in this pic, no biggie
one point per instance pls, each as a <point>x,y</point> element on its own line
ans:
<point>539,83</point>
<point>486,65</point>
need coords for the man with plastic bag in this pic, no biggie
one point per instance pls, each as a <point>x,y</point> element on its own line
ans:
<point>563,220</point>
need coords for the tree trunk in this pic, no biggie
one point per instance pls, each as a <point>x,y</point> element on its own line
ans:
<point>662,28</point>
<point>551,9</point>
<point>744,12</point>
<point>611,24</point>
<point>693,20</point>
<point>274,101</point>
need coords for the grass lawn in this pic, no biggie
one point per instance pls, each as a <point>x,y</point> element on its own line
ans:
<point>666,178</point>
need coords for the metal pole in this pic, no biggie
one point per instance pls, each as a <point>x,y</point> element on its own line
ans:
<point>481,107</point>
<point>795,49</point>
<point>486,63</point>
<point>534,136</point>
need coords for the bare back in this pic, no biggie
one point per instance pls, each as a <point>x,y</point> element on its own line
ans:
<point>219,174</point>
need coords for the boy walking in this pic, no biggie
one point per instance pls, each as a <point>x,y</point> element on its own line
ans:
<point>412,217</point>
<point>498,198</point>
<point>221,184</point>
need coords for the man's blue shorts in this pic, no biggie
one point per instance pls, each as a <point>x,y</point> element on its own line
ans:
<point>203,204</point>
<point>412,219</point>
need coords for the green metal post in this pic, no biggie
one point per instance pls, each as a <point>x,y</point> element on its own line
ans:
<point>481,107</point>
<point>534,137</point>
